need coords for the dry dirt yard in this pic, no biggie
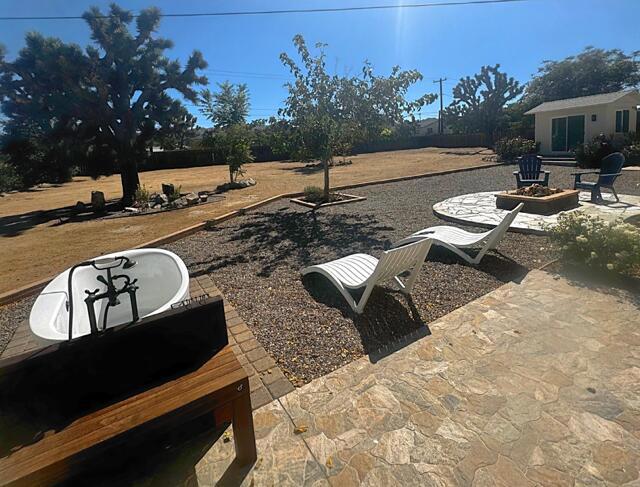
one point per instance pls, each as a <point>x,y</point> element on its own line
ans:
<point>36,244</point>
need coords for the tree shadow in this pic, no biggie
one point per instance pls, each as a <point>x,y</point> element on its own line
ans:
<point>297,238</point>
<point>14,225</point>
<point>390,320</point>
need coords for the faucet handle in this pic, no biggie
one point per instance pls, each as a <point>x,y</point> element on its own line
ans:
<point>91,293</point>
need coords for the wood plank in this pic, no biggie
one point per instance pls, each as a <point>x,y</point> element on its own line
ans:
<point>56,451</point>
<point>214,385</point>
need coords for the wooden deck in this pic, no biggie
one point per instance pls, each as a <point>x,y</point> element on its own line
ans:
<point>49,453</point>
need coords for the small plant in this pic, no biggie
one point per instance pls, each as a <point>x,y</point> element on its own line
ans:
<point>175,194</point>
<point>601,245</point>
<point>314,194</point>
<point>510,148</point>
<point>142,196</point>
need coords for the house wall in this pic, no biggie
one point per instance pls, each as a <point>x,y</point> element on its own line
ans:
<point>605,121</point>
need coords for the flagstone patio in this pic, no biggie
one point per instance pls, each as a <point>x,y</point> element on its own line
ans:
<point>536,383</point>
<point>479,209</point>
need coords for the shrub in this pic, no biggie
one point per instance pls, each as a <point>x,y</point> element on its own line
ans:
<point>510,148</point>
<point>601,245</point>
<point>9,178</point>
<point>176,193</point>
<point>589,154</point>
<point>314,194</point>
<point>142,196</point>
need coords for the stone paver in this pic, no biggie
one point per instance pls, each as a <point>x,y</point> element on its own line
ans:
<point>480,208</point>
<point>536,383</point>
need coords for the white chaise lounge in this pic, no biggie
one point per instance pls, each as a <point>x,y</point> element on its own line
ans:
<point>456,239</point>
<point>359,271</point>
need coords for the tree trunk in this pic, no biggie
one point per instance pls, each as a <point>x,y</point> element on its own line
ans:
<point>130,181</point>
<point>230,173</point>
<point>325,163</point>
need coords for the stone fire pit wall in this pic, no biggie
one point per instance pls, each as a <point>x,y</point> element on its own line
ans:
<point>544,205</point>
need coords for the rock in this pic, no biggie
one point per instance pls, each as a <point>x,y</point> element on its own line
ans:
<point>98,203</point>
<point>192,199</point>
<point>131,209</point>
<point>168,188</point>
<point>203,197</point>
<point>160,199</point>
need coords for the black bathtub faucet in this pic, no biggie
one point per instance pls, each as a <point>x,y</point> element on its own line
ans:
<point>111,294</point>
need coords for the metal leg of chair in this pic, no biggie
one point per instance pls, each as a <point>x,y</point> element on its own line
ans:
<point>615,194</point>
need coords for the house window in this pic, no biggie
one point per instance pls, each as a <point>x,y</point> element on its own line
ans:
<point>429,130</point>
<point>622,121</point>
<point>594,117</point>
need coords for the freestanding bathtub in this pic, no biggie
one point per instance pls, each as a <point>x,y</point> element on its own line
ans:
<point>162,277</point>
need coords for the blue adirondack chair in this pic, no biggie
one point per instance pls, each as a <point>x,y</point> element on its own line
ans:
<point>610,169</point>
<point>530,171</point>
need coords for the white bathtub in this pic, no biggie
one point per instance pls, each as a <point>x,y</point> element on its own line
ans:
<point>163,279</point>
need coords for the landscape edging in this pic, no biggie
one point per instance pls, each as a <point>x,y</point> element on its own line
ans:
<point>34,287</point>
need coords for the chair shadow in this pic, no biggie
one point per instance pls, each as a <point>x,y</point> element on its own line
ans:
<point>390,320</point>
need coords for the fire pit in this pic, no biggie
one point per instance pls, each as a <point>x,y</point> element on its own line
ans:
<point>538,199</point>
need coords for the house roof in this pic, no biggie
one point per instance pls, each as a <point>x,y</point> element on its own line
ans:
<point>582,101</point>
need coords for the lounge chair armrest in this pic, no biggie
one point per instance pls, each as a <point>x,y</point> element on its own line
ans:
<point>547,172</point>
<point>616,174</point>
<point>515,173</point>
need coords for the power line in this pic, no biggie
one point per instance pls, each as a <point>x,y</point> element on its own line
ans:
<point>291,11</point>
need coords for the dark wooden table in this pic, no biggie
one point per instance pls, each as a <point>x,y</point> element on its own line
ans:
<point>219,387</point>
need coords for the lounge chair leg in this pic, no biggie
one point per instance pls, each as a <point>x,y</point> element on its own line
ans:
<point>243,433</point>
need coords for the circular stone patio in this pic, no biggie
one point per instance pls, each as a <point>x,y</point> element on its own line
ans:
<point>479,209</point>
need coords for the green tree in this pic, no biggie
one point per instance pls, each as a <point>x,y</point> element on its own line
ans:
<point>329,112</point>
<point>227,109</point>
<point>176,129</point>
<point>102,104</point>
<point>591,72</point>
<point>479,101</point>
<point>229,106</point>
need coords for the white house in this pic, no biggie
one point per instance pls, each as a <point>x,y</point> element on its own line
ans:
<point>429,126</point>
<point>563,124</point>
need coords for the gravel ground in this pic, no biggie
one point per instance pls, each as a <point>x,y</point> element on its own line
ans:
<point>304,323</point>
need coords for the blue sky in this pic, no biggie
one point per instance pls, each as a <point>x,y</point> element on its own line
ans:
<point>451,41</point>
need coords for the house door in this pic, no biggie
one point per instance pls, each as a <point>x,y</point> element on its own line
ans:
<point>559,134</point>
<point>575,131</point>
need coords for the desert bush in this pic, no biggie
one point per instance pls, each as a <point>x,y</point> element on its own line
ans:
<point>510,148</point>
<point>176,193</point>
<point>314,194</point>
<point>142,196</point>
<point>589,154</point>
<point>9,178</point>
<point>591,241</point>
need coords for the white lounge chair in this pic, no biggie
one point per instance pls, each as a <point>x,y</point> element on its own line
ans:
<point>456,239</point>
<point>358,271</point>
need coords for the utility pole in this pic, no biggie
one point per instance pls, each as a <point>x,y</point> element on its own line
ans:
<point>440,120</point>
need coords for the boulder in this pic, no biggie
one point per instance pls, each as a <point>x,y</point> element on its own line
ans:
<point>98,203</point>
<point>161,199</point>
<point>168,189</point>
<point>192,199</point>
